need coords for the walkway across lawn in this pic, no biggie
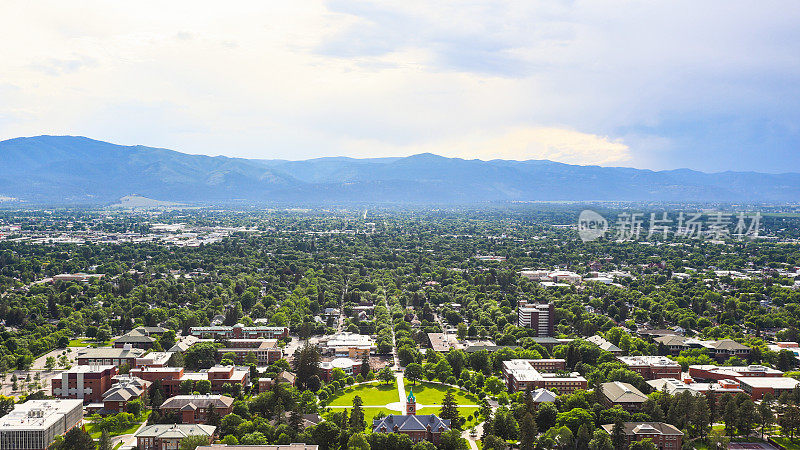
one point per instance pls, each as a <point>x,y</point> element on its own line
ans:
<point>379,397</point>
<point>430,394</point>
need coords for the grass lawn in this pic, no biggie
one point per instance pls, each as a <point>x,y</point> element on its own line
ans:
<point>95,434</point>
<point>432,393</point>
<point>373,394</point>
<point>87,343</point>
<point>78,343</point>
<point>788,444</point>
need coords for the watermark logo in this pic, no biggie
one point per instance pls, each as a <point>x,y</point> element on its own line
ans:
<point>591,225</point>
<point>633,226</point>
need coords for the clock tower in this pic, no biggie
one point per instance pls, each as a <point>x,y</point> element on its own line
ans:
<point>411,404</point>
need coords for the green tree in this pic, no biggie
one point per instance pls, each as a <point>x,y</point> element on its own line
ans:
<point>449,410</point>
<point>203,386</point>
<point>192,442</point>
<point>766,416</point>
<point>306,363</point>
<point>452,440</point>
<point>747,417</point>
<point>358,441</point>
<point>386,375</point>
<point>357,422</point>
<point>186,387</point>
<point>601,441</point>
<point>414,372</point>
<point>644,444</point>
<point>104,442</point>
<point>790,421</point>
<point>77,439</point>
<point>546,416</point>
<point>618,438</point>
<point>528,432</point>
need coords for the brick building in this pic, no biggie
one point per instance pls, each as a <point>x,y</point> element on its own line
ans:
<point>87,383</point>
<point>652,367</point>
<point>538,317</point>
<point>124,390</point>
<point>520,374</point>
<point>349,366</point>
<point>621,394</point>
<point>109,356</point>
<point>195,408</point>
<point>240,331</point>
<point>266,351</point>
<point>709,372</point>
<point>169,436</point>
<point>418,428</point>
<point>171,377</point>
<point>663,435</point>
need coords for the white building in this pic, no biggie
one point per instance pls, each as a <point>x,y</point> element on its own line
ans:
<point>34,425</point>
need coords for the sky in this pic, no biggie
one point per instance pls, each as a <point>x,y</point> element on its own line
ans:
<point>712,85</point>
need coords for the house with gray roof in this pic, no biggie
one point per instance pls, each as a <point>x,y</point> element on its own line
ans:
<point>622,394</point>
<point>161,436</point>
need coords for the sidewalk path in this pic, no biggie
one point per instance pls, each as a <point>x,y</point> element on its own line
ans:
<point>401,389</point>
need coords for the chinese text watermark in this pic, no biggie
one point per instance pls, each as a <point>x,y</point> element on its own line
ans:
<point>695,225</point>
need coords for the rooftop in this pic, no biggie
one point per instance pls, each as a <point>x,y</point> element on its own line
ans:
<point>653,361</point>
<point>619,392</point>
<point>769,382</point>
<point>645,428</point>
<point>173,430</point>
<point>38,414</point>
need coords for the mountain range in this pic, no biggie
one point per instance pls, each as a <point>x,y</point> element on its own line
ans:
<point>77,170</point>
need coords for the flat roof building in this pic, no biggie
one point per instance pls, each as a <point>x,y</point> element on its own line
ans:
<point>34,425</point>
<point>239,331</point>
<point>346,344</point>
<point>109,356</point>
<point>540,317</point>
<point>757,387</point>
<point>87,383</point>
<point>709,372</point>
<point>266,351</point>
<point>349,366</point>
<point>652,367</point>
<point>521,374</point>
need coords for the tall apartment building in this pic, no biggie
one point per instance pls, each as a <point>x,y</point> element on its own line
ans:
<point>34,425</point>
<point>540,317</point>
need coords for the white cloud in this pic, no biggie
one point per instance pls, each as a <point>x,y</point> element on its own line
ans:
<point>600,81</point>
<point>555,144</point>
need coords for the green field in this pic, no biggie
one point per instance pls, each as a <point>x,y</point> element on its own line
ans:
<point>87,342</point>
<point>95,434</point>
<point>788,444</point>
<point>432,393</point>
<point>371,394</point>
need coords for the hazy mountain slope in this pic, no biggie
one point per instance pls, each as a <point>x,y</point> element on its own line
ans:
<point>66,169</point>
<point>78,169</point>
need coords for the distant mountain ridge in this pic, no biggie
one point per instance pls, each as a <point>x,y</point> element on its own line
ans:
<point>79,170</point>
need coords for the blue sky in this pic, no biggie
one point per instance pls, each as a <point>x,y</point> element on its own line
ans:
<point>709,85</point>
